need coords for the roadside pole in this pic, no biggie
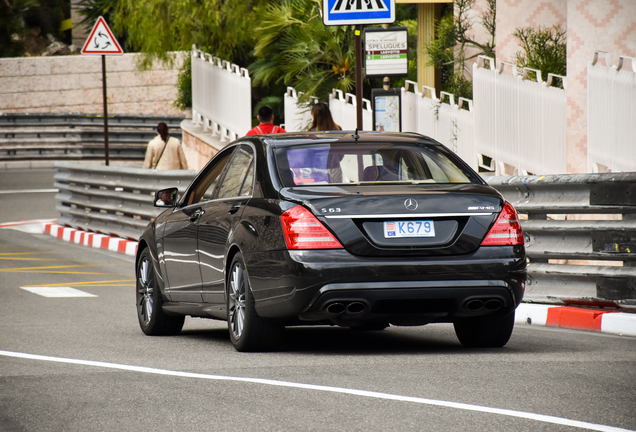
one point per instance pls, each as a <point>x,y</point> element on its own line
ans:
<point>358,14</point>
<point>101,41</point>
<point>106,152</point>
<point>358,42</point>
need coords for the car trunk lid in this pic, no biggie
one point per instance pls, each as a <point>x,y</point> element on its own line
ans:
<point>399,220</point>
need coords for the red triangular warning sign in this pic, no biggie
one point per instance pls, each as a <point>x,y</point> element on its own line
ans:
<point>102,41</point>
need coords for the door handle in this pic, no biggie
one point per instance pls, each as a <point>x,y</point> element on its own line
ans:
<point>234,209</point>
<point>196,215</point>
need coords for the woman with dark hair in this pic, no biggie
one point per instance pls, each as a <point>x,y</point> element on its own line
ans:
<point>322,118</point>
<point>164,151</point>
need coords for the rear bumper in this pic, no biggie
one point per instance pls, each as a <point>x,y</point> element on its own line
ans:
<point>336,286</point>
<point>409,303</point>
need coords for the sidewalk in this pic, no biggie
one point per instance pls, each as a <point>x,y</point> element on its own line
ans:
<point>598,320</point>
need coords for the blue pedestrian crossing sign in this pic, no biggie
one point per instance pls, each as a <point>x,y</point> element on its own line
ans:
<point>358,12</point>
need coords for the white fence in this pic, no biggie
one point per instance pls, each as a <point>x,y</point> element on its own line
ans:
<point>342,107</point>
<point>221,96</point>
<point>297,118</point>
<point>343,111</point>
<point>449,123</point>
<point>519,123</point>
<point>611,123</point>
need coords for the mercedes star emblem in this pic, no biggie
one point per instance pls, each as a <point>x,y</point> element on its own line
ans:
<point>410,204</point>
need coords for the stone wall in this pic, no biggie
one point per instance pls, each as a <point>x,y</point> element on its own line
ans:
<point>199,145</point>
<point>69,84</point>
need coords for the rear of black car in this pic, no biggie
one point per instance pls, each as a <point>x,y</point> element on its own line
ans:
<point>389,229</point>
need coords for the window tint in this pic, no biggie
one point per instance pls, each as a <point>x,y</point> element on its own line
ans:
<point>238,173</point>
<point>366,163</point>
<point>246,189</point>
<point>203,190</point>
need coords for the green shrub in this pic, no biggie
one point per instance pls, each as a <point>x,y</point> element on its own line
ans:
<point>184,85</point>
<point>544,49</point>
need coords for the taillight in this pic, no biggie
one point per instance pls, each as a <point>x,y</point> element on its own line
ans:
<point>506,231</point>
<point>303,231</point>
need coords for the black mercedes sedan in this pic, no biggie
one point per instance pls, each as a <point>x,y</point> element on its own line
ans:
<point>361,230</point>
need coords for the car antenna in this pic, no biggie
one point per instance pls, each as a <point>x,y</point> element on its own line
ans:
<point>355,136</point>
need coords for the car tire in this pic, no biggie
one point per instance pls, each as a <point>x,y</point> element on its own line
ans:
<point>248,331</point>
<point>489,331</point>
<point>152,319</point>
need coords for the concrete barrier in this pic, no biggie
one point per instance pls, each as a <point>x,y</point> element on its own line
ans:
<point>118,201</point>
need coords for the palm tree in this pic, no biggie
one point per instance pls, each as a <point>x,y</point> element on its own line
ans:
<point>294,48</point>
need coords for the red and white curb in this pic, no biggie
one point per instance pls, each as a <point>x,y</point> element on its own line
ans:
<point>99,241</point>
<point>72,235</point>
<point>619,323</point>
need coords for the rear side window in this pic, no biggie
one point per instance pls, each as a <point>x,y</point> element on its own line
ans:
<point>369,163</point>
<point>239,177</point>
<point>206,183</point>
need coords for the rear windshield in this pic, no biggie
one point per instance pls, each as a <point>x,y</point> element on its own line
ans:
<point>369,163</point>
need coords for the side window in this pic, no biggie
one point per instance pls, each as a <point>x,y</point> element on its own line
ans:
<point>240,172</point>
<point>248,184</point>
<point>204,189</point>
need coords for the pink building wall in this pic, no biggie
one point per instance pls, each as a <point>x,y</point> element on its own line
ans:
<point>592,25</point>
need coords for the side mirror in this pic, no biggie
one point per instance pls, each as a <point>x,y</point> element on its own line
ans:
<point>166,197</point>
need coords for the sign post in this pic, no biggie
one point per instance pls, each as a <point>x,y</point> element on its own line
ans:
<point>101,41</point>
<point>386,56</point>
<point>358,13</point>
<point>359,121</point>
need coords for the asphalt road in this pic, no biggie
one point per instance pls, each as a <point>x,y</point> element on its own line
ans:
<point>82,364</point>
<point>29,203</point>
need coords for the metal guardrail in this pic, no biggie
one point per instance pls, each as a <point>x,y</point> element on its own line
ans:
<point>66,135</point>
<point>118,201</point>
<point>554,244</point>
<point>87,120</point>
<point>78,136</point>
<point>69,136</point>
<point>112,200</point>
<point>71,152</point>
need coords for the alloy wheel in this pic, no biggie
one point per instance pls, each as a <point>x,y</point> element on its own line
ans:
<point>145,289</point>
<point>237,301</point>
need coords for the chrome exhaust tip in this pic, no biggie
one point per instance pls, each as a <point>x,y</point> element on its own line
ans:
<point>335,308</point>
<point>493,304</point>
<point>474,305</point>
<point>355,308</point>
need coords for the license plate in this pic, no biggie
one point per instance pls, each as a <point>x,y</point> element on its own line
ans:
<point>415,228</point>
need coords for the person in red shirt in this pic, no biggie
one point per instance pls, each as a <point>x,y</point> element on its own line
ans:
<point>266,118</point>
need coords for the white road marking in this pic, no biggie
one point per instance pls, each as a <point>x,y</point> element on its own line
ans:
<point>28,224</point>
<point>371,394</point>
<point>54,291</point>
